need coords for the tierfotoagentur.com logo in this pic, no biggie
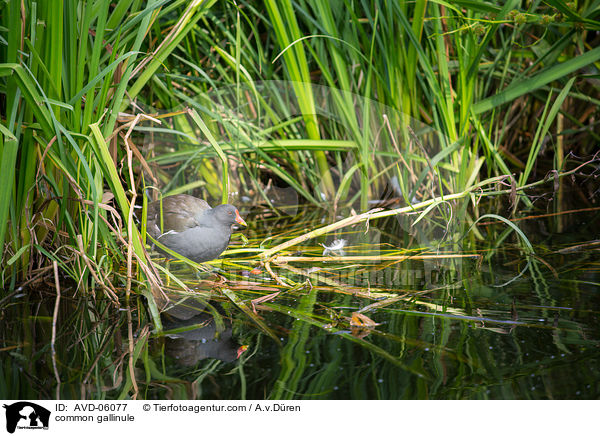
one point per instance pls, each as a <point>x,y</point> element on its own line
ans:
<point>24,415</point>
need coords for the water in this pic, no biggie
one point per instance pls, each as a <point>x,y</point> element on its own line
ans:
<point>496,325</point>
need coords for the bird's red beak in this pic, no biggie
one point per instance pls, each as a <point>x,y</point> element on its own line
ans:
<point>239,219</point>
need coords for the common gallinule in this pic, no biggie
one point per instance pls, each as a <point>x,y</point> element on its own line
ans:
<point>191,227</point>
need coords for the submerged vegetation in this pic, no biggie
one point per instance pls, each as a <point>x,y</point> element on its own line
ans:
<point>413,136</point>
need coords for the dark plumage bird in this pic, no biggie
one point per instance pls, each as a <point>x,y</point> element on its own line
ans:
<point>191,227</point>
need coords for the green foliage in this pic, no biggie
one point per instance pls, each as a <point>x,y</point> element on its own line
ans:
<point>339,101</point>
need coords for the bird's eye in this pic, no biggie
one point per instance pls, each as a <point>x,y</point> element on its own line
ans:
<point>230,213</point>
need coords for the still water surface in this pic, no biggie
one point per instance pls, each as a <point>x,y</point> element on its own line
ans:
<point>495,325</point>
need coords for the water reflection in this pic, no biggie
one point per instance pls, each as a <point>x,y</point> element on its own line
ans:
<point>441,329</point>
<point>192,335</point>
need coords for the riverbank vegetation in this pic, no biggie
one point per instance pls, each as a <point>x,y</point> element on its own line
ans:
<point>364,111</point>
